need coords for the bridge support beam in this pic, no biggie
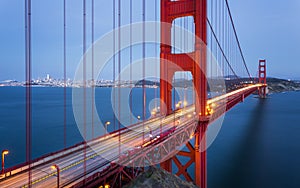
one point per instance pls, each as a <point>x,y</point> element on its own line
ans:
<point>194,62</point>
<point>262,78</point>
<point>200,155</point>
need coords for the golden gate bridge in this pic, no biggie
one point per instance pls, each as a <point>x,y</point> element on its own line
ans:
<point>207,50</point>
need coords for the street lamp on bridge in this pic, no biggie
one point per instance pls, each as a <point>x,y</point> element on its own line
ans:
<point>55,167</point>
<point>4,152</point>
<point>106,124</point>
<point>177,106</point>
<point>150,133</point>
<point>185,103</point>
<point>139,118</point>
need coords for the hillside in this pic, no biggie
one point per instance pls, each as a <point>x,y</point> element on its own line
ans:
<point>276,85</point>
<point>159,178</point>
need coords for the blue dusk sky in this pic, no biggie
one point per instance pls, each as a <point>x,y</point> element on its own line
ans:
<point>266,29</point>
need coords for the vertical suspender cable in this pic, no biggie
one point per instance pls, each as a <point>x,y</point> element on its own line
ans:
<point>119,80</point>
<point>28,85</point>
<point>160,61</point>
<point>131,81</point>
<point>237,40</point>
<point>173,80</point>
<point>217,33</point>
<point>211,41</point>
<point>119,75</point>
<point>223,36</point>
<point>155,55</point>
<point>212,47</point>
<point>130,74</point>
<point>65,80</point>
<point>228,42</point>
<point>231,44</point>
<point>84,85</point>
<point>184,42</point>
<point>144,56</point>
<point>130,59</point>
<point>93,61</point>
<point>227,38</point>
<point>184,47</point>
<point>114,57</point>
<point>220,36</point>
<point>219,45</point>
<point>230,48</point>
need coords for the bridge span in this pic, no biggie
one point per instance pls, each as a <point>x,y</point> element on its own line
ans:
<point>103,159</point>
<point>209,49</point>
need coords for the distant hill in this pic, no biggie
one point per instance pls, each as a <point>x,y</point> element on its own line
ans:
<point>276,85</point>
<point>147,83</point>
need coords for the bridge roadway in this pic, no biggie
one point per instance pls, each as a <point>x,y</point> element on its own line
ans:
<point>106,148</point>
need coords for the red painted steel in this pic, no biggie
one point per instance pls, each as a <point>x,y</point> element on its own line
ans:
<point>173,135</point>
<point>194,62</point>
<point>139,155</point>
<point>171,63</point>
<point>262,78</point>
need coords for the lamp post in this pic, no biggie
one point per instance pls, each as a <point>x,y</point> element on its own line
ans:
<point>153,112</point>
<point>4,152</point>
<point>150,132</point>
<point>185,103</point>
<point>139,118</point>
<point>177,106</point>
<point>53,167</point>
<point>106,124</point>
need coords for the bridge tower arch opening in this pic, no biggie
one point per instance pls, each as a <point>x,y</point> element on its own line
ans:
<point>194,62</point>
<point>182,35</point>
<point>183,90</point>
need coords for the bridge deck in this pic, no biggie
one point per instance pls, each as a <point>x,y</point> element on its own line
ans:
<point>101,151</point>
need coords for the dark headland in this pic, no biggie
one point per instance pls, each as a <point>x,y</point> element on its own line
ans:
<point>158,178</point>
<point>276,85</point>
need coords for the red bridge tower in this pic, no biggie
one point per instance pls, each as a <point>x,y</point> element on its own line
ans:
<point>262,78</point>
<point>194,62</point>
